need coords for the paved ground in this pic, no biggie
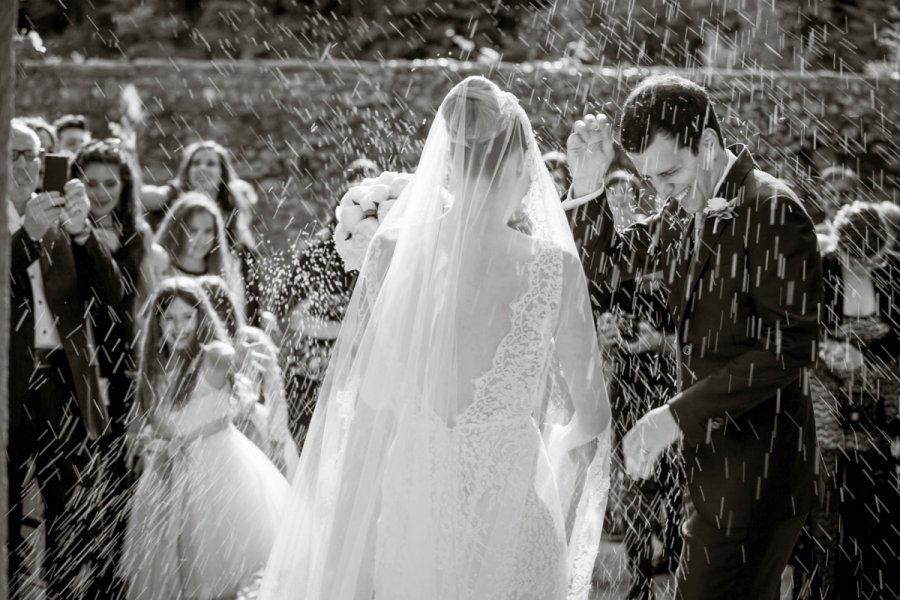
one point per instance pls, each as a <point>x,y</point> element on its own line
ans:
<point>610,576</point>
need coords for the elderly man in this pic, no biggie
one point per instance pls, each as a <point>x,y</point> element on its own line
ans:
<point>57,269</point>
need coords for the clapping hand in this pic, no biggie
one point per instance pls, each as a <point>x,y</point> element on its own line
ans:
<point>590,152</point>
<point>253,354</point>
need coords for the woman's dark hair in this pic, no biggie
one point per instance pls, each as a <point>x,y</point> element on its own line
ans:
<point>167,377</point>
<point>229,203</point>
<point>127,213</point>
<point>860,230</point>
<point>667,105</point>
<point>223,303</point>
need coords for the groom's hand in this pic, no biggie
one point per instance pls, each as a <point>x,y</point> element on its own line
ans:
<point>647,440</point>
<point>589,153</point>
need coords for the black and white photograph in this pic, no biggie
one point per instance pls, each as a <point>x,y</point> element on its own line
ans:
<point>450,300</point>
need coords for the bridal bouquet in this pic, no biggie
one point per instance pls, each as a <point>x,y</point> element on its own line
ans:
<point>361,210</point>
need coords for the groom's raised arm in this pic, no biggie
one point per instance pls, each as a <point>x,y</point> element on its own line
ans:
<point>611,254</point>
<point>785,281</point>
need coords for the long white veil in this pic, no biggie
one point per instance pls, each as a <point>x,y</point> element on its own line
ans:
<point>475,257</point>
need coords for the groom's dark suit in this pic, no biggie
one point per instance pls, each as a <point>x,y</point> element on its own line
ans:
<point>55,405</point>
<point>745,303</point>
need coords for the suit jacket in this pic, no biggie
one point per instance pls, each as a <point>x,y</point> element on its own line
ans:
<point>745,307</point>
<point>75,277</point>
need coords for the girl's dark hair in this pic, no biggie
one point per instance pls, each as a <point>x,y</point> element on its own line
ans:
<point>228,202</point>
<point>668,105</point>
<point>223,302</point>
<point>127,213</point>
<point>172,234</point>
<point>166,377</point>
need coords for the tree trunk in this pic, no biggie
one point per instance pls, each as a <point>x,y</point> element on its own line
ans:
<point>8,12</point>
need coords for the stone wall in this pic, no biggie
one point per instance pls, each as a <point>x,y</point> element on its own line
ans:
<point>292,126</point>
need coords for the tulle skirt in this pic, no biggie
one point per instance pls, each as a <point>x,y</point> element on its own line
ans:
<point>203,518</point>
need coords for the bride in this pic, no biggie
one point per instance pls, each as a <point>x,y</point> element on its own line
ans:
<point>456,449</point>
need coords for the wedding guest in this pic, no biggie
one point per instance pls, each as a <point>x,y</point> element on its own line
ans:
<point>855,394</point>
<point>839,186</point>
<point>115,216</point>
<point>58,270</point>
<point>315,296</point>
<point>47,134</point>
<point>192,241</point>
<point>559,170</point>
<point>890,212</point>
<point>206,168</point>
<point>206,507</point>
<point>45,131</point>
<point>72,132</point>
<point>262,404</point>
<point>361,168</point>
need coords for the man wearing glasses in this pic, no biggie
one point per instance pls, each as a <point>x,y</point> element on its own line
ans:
<point>57,268</point>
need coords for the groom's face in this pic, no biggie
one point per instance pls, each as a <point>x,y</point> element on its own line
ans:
<point>673,171</point>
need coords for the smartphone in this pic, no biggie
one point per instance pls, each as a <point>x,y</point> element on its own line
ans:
<point>56,172</point>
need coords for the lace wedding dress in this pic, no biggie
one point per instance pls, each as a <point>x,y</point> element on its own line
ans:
<point>458,450</point>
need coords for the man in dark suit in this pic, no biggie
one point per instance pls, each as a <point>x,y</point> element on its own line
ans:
<point>740,259</point>
<point>57,413</point>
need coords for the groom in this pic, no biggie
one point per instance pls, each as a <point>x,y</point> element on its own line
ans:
<point>740,259</point>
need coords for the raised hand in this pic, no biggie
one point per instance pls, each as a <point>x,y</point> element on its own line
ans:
<point>589,153</point>
<point>74,216</point>
<point>42,212</point>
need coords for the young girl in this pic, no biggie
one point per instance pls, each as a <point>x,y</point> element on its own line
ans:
<point>191,241</point>
<point>262,404</point>
<point>205,510</point>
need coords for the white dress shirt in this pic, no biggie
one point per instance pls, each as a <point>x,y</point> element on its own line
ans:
<point>46,335</point>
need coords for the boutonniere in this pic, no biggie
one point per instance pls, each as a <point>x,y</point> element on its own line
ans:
<point>720,209</point>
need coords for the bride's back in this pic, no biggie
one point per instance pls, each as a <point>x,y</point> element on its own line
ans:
<point>488,291</point>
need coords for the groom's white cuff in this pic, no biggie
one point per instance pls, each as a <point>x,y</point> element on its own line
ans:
<point>569,203</point>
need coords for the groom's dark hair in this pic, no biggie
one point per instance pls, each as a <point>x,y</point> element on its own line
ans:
<point>667,105</point>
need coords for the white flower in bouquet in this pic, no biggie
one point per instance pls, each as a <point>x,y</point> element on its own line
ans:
<point>362,209</point>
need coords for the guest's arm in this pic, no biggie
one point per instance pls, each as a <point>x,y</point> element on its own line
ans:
<point>97,272</point>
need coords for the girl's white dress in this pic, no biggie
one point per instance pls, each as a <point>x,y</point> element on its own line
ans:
<point>206,508</point>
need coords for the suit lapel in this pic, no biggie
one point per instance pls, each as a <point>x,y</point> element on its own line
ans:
<point>691,267</point>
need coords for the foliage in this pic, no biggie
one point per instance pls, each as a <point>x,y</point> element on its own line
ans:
<point>817,34</point>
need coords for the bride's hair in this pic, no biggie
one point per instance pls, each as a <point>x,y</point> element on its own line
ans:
<point>484,118</point>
